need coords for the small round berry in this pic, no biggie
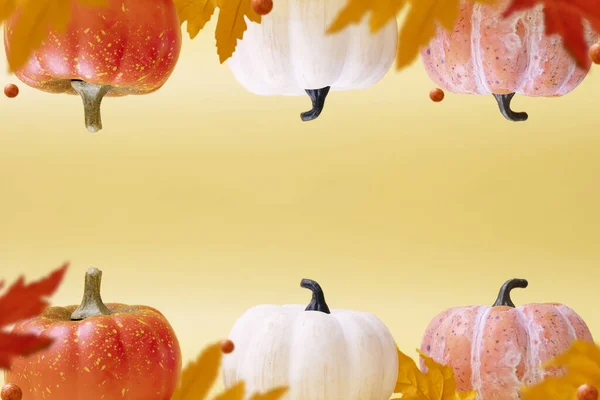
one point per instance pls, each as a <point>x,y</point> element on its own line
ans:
<point>587,392</point>
<point>262,7</point>
<point>436,95</point>
<point>11,91</point>
<point>227,346</point>
<point>11,392</point>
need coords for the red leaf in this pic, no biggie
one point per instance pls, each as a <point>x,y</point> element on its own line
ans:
<point>22,302</point>
<point>565,18</point>
<point>26,301</point>
<point>12,345</point>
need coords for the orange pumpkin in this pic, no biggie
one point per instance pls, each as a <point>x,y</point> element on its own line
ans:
<point>495,350</point>
<point>486,53</point>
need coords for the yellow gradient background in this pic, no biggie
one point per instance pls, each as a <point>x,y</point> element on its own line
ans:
<point>204,200</point>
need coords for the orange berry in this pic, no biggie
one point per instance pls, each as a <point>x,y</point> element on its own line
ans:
<point>436,95</point>
<point>595,53</point>
<point>11,91</point>
<point>11,392</point>
<point>227,346</point>
<point>262,7</point>
<point>587,392</point>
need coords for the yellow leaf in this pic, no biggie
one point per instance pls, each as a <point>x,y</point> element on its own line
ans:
<point>93,3</point>
<point>236,392</point>
<point>273,394</point>
<point>231,25</point>
<point>7,8</point>
<point>197,13</point>
<point>36,19</point>
<point>581,364</point>
<point>578,349</point>
<point>446,371</point>
<point>421,23</point>
<point>199,376</point>
<point>437,384</point>
<point>466,395</point>
<point>550,389</point>
<point>382,11</point>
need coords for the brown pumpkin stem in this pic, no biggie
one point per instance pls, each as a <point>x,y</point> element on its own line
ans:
<point>92,96</point>
<point>503,298</point>
<point>504,105</point>
<point>317,302</point>
<point>317,96</point>
<point>91,305</point>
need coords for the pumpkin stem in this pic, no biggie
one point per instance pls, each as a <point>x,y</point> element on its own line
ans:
<point>504,105</point>
<point>317,302</point>
<point>317,96</point>
<point>92,96</point>
<point>92,304</point>
<point>504,294</point>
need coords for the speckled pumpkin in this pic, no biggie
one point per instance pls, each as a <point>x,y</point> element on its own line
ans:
<point>107,352</point>
<point>495,350</point>
<point>489,54</point>
<point>130,47</point>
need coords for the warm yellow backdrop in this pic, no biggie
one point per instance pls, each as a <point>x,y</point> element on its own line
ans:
<point>203,200</point>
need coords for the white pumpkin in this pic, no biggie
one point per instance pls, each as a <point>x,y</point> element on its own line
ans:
<point>290,53</point>
<point>319,354</point>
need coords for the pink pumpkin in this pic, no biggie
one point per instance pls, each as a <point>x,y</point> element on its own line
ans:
<point>496,350</point>
<point>486,53</point>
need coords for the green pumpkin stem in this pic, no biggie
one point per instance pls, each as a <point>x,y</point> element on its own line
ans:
<point>317,96</point>
<point>504,105</point>
<point>91,305</point>
<point>504,294</point>
<point>317,302</point>
<point>92,96</point>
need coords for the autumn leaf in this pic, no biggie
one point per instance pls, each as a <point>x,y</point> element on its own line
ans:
<point>437,384</point>
<point>582,366</point>
<point>199,376</point>
<point>565,18</point>
<point>273,394</point>
<point>420,26</point>
<point>236,392</point>
<point>7,8</point>
<point>20,302</point>
<point>36,19</point>
<point>231,25</point>
<point>382,11</point>
<point>231,22</point>
<point>197,13</point>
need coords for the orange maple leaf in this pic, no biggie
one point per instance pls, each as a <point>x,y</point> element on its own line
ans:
<point>22,302</point>
<point>565,18</point>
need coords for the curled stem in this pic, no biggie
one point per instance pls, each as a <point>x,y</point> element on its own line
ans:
<point>317,96</point>
<point>504,105</point>
<point>503,298</point>
<point>317,303</point>
<point>92,96</point>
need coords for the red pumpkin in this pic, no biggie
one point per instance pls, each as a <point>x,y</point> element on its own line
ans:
<point>130,47</point>
<point>486,53</point>
<point>495,350</point>
<point>108,352</point>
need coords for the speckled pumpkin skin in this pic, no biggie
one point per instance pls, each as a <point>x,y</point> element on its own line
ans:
<point>488,54</point>
<point>133,45</point>
<point>496,350</point>
<point>131,354</point>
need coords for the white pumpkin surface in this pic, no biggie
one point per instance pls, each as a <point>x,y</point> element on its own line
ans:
<point>344,355</point>
<point>290,52</point>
